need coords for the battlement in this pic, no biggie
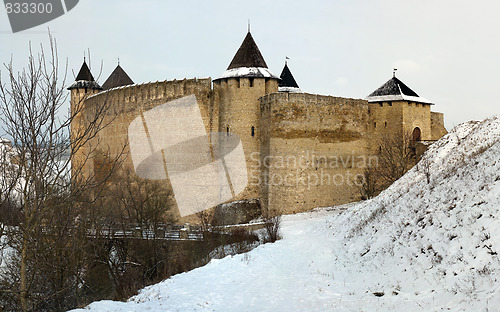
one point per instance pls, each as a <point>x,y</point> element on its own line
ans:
<point>310,98</point>
<point>150,92</point>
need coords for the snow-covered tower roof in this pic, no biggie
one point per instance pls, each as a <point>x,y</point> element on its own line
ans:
<point>117,78</point>
<point>395,90</point>
<point>248,62</point>
<point>84,79</point>
<point>287,82</point>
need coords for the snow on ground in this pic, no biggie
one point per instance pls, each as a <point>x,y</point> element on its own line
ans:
<point>6,252</point>
<point>418,246</point>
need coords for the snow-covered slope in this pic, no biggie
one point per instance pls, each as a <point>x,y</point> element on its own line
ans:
<point>419,246</point>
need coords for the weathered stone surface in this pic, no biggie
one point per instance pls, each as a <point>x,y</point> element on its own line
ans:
<point>237,212</point>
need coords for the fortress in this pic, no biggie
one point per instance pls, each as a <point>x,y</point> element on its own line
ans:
<point>301,150</point>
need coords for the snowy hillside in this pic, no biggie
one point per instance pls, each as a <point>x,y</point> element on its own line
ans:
<point>419,246</point>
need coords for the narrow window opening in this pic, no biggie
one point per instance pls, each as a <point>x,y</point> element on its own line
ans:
<point>375,125</point>
<point>385,124</point>
<point>251,82</point>
<point>227,131</point>
<point>253,131</point>
<point>381,104</point>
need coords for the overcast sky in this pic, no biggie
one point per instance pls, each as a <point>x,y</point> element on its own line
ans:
<point>445,50</point>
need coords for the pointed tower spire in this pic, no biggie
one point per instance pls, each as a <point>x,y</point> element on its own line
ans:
<point>84,73</point>
<point>248,55</point>
<point>248,62</point>
<point>84,79</point>
<point>395,90</point>
<point>287,82</point>
<point>117,78</point>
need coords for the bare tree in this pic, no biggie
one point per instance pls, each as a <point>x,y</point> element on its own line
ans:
<point>140,209</point>
<point>425,165</point>
<point>396,155</point>
<point>369,183</point>
<point>39,182</point>
<point>205,219</point>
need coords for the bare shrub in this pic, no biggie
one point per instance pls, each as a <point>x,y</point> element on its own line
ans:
<point>396,156</point>
<point>205,218</point>
<point>369,184</point>
<point>424,165</point>
<point>273,226</point>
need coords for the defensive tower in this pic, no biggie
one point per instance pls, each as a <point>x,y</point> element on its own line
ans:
<point>239,89</point>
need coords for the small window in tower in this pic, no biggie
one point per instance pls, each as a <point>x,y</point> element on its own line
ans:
<point>390,103</point>
<point>251,82</point>
<point>385,124</point>
<point>238,82</point>
<point>253,131</point>
<point>381,104</point>
<point>375,125</point>
<point>227,131</point>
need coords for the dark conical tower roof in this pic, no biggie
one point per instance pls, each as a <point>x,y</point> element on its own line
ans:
<point>287,79</point>
<point>248,55</point>
<point>395,90</point>
<point>84,73</point>
<point>394,87</point>
<point>117,78</point>
<point>248,62</point>
<point>287,82</point>
<point>84,79</point>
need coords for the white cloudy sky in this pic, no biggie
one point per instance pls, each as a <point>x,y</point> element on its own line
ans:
<point>445,50</point>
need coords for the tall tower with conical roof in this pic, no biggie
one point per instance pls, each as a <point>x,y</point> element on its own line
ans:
<point>83,87</point>
<point>239,90</point>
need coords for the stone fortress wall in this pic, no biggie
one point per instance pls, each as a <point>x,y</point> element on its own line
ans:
<point>129,102</point>
<point>124,104</point>
<point>302,150</point>
<point>305,150</point>
<point>315,147</point>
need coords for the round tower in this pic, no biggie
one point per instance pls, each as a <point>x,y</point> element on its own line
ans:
<point>239,90</point>
<point>83,87</point>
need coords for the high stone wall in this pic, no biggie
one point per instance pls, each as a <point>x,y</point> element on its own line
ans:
<point>129,102</point>
<point>437,125</point>
<point>313,148</point>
